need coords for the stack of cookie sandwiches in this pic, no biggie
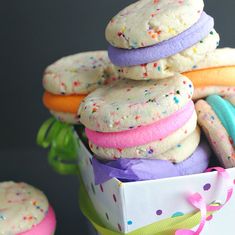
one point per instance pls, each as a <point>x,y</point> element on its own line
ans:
<point>149,114</point>
<point>137,102</point>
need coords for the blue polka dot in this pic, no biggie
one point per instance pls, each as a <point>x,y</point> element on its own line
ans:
<point>129,222</point>
<point>177,214</point>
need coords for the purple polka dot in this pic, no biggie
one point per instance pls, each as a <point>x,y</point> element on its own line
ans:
<point>207,187</point>
<point>159,212</point>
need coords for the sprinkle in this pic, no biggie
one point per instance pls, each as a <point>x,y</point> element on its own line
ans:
<point>176,100</point>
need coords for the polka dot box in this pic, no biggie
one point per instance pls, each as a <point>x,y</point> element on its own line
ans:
<point>125,207</point>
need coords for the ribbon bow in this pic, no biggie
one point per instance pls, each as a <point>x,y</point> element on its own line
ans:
<point>63,143</point>
<point>198,202</point>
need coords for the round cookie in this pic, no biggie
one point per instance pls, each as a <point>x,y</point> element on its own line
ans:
<point>24,210</point>
<point>65,104</point>
<point>219,58</point>
<point>79,74</point>
<point>156,21</point>
<point>175,148</point>
<point>202,92</point>
<point>217,135</point>
<point>178,63</point>
<point>215,74</point>
<point>231,98</point>
<point>70,118</point>
<point>63,108</point>
<point>129,104</point>
<point>155,147</point>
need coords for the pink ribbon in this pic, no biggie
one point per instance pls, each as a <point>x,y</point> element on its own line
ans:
<point>198,202</point>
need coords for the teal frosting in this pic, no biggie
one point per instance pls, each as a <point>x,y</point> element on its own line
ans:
<point>225,112</point>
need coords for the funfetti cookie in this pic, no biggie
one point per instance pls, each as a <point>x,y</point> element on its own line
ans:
<point>216,117</point>
<point>156,39</point>
<point>178,63</point>
<point>145,119</point>
<point>71,78</point>
<point>215,74</point>
<point>24,210</point>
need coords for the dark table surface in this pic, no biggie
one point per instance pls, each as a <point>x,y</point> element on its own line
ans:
<point>30,165</point>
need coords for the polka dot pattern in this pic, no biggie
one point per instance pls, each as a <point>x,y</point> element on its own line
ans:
<point>207,187</point>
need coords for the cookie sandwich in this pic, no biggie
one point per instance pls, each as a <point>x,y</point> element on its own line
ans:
<point>70,79</point>
<point>157,39</point>
<point>24,210</point>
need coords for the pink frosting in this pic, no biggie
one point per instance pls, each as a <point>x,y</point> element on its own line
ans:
<point>45,227</point>
<point>145,134</point>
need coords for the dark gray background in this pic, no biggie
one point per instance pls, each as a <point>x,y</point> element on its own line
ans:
<point>34,34</point>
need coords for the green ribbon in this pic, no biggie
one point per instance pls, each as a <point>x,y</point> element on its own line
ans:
<point>164,227</point>
<point>62,140</point>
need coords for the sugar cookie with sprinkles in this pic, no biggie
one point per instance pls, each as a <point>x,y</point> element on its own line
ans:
<point>147,22</point>
<point>155,148</point>
<point>137,118</point>
<point>157,39</point>
<point>25,210</point>
<point>71,78</point>
<point>178,63</point>
<point>216,117</point>
<point>78,74</point>
<point>215,74</point>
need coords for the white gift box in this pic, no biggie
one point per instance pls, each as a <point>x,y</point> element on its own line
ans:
<point>125,207</point>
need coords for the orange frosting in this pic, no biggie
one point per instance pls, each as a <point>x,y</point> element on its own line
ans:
<point>65,104</point>
<point>217,76</point>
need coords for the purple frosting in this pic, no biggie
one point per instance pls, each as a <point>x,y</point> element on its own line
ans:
<point>128,170</point>
<point>188,38</point>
